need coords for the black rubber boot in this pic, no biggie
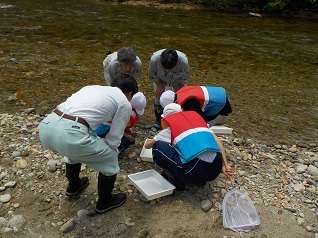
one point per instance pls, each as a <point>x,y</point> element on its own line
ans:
<point>158,112</point>
<point>107,200</point>
<point>75,183</point>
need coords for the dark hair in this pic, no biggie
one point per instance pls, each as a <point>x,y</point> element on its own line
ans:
<point>126,83</point>
<point>169,58</point>
<point>126,55</point>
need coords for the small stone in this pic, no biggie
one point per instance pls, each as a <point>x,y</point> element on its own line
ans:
<point>16,154</point>
<point>2,220</point>
<point>25,153</point>
<point>82,213</point>
<point>5,198</point>
<point>132,155</point>
<point>21,164</point>
<point>291,209</point>
<point>68,226</point>
<point>10,184</point>
<point>129,222</point>
<point>299,187</point>
<point>309,228</point>
<point>300,221</point>
<point>301,168</point>
<point>312,170</point>
<point>206,205</point>
<point>2,175</point>
<point>16,222</point>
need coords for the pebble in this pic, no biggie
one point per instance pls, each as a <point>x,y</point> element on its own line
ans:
<point>312,170</point>
<point>2,220</point>
<point>300,221</point>
<point>82,213</point>
<point>2,175</point>
<point>301,168</point>
<point>129,221</point>
<point>5,198</point>
<point>206,205</point>
<point>68,226</point>
<point>10,184</point>
<point>21,164</point>
<point>299,187</point>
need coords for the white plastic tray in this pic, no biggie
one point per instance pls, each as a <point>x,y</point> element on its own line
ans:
<point>146,154</point>
<point>151,184</point>
<point>221,129</point>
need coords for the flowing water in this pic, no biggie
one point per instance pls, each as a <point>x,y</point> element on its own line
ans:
<point>269,67</point>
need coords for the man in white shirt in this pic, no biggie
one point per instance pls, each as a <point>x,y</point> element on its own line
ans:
<point>124,61</point>
<point>68,130</point>
<point>168,69</point>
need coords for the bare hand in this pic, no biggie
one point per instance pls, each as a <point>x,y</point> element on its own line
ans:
<point>227,170</point>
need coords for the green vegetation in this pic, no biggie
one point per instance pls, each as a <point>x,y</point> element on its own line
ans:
<point>268,6</point>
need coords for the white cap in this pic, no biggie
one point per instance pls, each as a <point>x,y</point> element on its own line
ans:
<point>171,108</point>
<point>138,102</point>
<point>166,98</point>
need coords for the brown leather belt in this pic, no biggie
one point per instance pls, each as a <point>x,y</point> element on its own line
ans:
<point>79,120</point>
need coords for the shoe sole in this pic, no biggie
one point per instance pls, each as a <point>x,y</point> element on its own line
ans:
<point>77,192</point>
<point>109,208</point>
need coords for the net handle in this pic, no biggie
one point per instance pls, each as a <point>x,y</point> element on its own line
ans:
<point>232,181</point>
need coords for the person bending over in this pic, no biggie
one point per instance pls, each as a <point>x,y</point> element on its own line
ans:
<point>68,131</point>
<point>187,150</point>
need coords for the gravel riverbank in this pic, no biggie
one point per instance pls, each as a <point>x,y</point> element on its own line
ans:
<point>281,180</point>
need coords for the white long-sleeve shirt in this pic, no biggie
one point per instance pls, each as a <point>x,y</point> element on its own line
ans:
<point>98,104</point>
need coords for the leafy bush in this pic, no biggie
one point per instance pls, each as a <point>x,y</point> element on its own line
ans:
<point>270,6</point>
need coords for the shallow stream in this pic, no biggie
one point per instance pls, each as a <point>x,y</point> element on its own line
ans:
<point>269,66</point>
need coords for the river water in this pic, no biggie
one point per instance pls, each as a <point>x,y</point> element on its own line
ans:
<point>269,67</point>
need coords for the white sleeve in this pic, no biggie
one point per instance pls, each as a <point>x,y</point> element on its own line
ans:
<point>164,135</point>
<point>118,125</point>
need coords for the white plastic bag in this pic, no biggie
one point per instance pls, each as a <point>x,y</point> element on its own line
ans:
<point>239,213</point>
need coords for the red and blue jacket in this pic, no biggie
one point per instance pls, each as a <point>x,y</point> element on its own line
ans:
<point>190,135</point>
<point>212,99</point>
